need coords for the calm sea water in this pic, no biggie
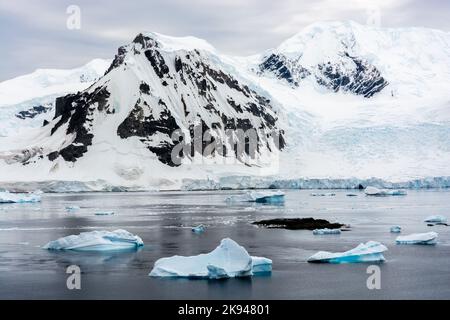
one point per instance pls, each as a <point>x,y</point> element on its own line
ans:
<point>163,221</point>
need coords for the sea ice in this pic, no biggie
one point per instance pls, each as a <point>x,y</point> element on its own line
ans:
<point>365,252</point>
<point>259,197</point>
<point>418,238</point>
<point>436,219</point>
<point>396,229</point>
<point>372,191</point>
<point>326,231</point>
<point>199,229</point>
<point>97,241</point>
<point>8,197</point>
<point>228,260</point>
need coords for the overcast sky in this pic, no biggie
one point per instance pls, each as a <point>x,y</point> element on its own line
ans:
<point>34,34</point>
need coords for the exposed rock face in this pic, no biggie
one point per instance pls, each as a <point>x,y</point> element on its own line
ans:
<point>349,74</point>
<point>298,224</point>
<point>77,110</point>
<point>33,112</point>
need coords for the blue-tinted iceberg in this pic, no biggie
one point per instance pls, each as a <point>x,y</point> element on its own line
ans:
<point>396,229</point>
<point>259,197</point>
<point>199,229</point>
<point>365,252</point>
<point>228,260</point>
<point>8,197</point>
<point>428,238</point>
<point>326,231</point>
<point>261,265</point>
<point>372,191</point>
<point>436,219</point>
<point>97,241</point>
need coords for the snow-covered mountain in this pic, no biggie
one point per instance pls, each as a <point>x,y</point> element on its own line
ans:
<point>337,101</point>
<point>28,100</point>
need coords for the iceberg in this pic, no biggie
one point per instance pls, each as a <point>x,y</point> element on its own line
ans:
<point>326,231</point>
<point>228,260</point>
<point>97,241</point>
<point>72,208</point>
<point>372,191</point>
<point>396,229</point>
<point>199,229</point>
<point>436,219</point>
<point>322,194</point>
<point>418,238</point>
<point>8,197</point>
<point>365,252</point>
<point>104,213</point>
<point>261,265</point>
<point>259,197</point>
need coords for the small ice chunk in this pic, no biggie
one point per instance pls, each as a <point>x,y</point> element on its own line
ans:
<point>372,191</point>
<point>322,194</point>
<point>365,252</point>
<point>72,208</point>
<point>351,195</point>
<point>259,197</point>
<point>228,260</point>
<point>8,197</point>
<point>97,241</point>
<point>396,229</point>
<point>261,265</point>
<point>104,213</point>
<point>326,231</point>
<point>199,229</point>
<point>436,219</point>
<point>418,238</point>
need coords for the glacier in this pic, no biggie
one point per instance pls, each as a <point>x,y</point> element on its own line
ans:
<point>385,126</point>
<point>427,238</point>
<point>371,251</point>
<point>97,241</point>
<point>228,260</point>
<point>8,197</point>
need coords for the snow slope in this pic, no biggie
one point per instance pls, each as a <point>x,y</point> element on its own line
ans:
<point>350,103</point>
<point>28,100</point>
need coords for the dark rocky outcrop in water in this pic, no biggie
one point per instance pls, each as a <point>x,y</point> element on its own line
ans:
<point>298,224</point>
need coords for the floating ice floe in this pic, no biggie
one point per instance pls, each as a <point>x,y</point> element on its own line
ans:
<point>97,241</point>
<point>8,197</point>
<point>259,197</point>
<point>372,191</point>
<point>418,238</point>
<point>326,231</point>
<point>436,219</point>
<point>396,229</point>
<point>322,194</point>
<point>228,260</point>
<point>199,229</point>
<point>365,252</point>
<point>104,213</point>
<point>72,208</point>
